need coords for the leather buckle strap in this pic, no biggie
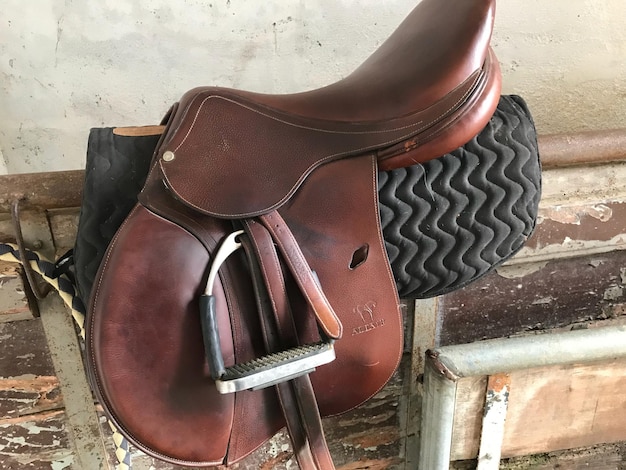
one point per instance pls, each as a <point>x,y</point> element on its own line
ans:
<point>297,397</point>
<point>262,372</point>
<point>302,273</point>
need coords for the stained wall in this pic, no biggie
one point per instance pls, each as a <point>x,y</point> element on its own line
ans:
<point>66,66</point>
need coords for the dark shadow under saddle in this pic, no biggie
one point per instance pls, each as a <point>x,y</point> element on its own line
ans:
<point>250,287</point>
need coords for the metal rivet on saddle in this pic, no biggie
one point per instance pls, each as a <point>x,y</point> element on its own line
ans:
<point>168,156</point>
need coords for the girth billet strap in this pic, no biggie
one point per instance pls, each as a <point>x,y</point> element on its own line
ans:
<point>297,398</point>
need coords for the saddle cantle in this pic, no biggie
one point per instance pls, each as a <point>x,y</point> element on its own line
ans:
<point>173,324</point>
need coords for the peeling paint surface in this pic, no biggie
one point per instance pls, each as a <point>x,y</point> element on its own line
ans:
<point>492,433</point>
<point>513,271</point>
<point>13,303</point>
<point>578,227</point>
<point>40,438</point>
<point>568,247</point>
<point>579,185</point>
<point>563,291</point>
<point>573,214</point>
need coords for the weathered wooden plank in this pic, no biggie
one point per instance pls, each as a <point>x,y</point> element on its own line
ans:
<point>550,408</point>
<point>13,302</point>
<point>596,458</point>
<point>44,190</point>
<point>32,422</point>
<point>28,394</point>
<point>601,457</point>
<point>24,350</point>
<point>35,230</point>
<point>494,417</point>
<point>535,297</point>
<point>65,352</point>
<point>38,442</point>
<point>63,225</point>
<point>576,228</point>
<point>373,432</point>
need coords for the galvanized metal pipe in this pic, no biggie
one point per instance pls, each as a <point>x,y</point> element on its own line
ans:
<point>438,405</point>
<point>445,366</point>
<point>510,354</point>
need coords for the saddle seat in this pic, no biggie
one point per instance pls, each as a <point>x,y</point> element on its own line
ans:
<point>427,90</point>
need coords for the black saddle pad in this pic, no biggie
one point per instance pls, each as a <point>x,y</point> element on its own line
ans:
<point>446,222</point>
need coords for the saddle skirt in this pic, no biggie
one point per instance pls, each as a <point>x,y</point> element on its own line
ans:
<point>292,181</point>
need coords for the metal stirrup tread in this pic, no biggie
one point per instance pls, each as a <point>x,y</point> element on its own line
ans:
<point>262,372</point>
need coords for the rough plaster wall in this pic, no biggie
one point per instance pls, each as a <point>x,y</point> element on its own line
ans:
<point>68,66</point>
<point>567,58</point>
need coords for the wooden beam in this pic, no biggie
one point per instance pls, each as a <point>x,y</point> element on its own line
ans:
<point>600,457</point>
<point>494,417</point>
<point>550,408</point>
<point>567,390</point>
<point>42,190</point>
<point>82,425</point>
<point>37,441</point>
<point>13,303</point>
<point>532,297</point>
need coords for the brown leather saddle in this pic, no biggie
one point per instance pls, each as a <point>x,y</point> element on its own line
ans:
<point>249,288</point>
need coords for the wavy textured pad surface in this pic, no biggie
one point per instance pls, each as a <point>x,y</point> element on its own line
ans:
<point>445,223</point>
<point>451,220</point>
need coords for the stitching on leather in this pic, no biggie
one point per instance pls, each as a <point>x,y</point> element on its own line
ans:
<point>390,276</point>
<point>129,435</point>
<point>484,79</point>
<point>193,123</point>
<point>327,131</point>
<point>104,266</point>
<point>381,242</point>
<point>305,173</point>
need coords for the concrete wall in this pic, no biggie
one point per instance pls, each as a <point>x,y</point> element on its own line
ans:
<point>68,66</point>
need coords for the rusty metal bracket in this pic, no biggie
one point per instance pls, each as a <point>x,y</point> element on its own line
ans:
<point>32,284</point>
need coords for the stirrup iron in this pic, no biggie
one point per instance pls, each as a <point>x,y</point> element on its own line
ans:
<point>262,372</point>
